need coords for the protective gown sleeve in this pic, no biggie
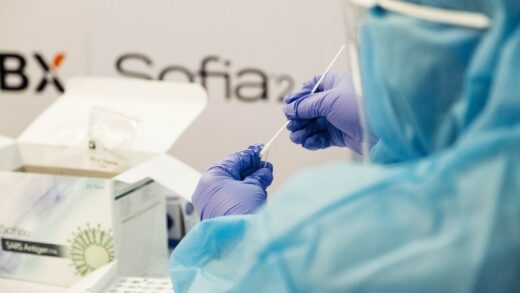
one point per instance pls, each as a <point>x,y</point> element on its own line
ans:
<point>428,227</point>
<point>298,242</point>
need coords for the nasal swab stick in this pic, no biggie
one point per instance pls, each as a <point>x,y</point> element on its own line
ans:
<point>265,150</point>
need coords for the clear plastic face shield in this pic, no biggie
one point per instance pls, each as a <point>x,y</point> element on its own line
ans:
<point>355,12</point>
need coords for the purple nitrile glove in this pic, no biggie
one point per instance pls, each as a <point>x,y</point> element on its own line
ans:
<point>234,186</point>
<point>326,118</point>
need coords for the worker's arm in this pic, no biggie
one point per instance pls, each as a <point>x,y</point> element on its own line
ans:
<point>312,236</point>
<point>341,228</point>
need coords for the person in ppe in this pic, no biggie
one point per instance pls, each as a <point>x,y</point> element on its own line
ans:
<point>438,211</point>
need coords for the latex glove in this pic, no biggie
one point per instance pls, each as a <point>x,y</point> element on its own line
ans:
<point>327,118</point>
<point>234,186</point>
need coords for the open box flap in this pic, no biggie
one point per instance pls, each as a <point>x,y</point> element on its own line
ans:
<point>9,155</point>
<point>5,141</point>
<point>167,171</point>
<point>163,110</point>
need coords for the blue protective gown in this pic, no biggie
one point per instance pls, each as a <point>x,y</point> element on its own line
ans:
<point>440,212</point>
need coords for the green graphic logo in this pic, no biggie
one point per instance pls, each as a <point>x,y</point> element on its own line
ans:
<point>91,248</point>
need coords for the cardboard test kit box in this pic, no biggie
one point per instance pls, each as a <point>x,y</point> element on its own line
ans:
<point>85,183</point>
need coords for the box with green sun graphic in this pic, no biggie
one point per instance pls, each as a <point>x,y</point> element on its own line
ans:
<point>72,201</point>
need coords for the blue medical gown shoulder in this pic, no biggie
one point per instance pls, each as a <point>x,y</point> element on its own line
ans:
<point>447,224</point>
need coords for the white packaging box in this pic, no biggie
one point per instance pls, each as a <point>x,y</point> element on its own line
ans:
<point>67,209</point>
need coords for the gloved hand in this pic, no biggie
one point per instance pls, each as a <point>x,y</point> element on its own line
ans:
<point>235,186</point>
<point>327,118</point>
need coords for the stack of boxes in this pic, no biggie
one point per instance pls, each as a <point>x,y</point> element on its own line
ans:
<point>73,200</point>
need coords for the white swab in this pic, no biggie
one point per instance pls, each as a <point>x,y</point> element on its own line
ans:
<point>265,150</point>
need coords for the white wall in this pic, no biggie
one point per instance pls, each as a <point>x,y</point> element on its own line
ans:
<point>294,38</point>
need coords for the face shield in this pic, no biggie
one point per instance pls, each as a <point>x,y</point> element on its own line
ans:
<point>355,12</point>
